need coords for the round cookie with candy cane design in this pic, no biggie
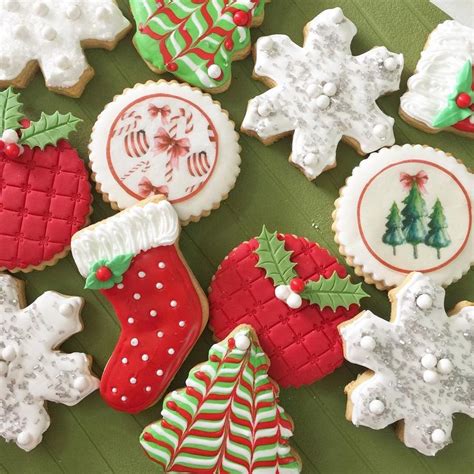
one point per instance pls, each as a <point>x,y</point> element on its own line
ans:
<point>165,138</point>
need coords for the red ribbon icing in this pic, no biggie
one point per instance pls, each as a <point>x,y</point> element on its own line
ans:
<point>419,179</point>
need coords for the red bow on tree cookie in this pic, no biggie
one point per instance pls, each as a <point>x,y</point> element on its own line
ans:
<point>175,148</point>
<point>408,180</point>
<point>146,188</point>
<point>164,111</point>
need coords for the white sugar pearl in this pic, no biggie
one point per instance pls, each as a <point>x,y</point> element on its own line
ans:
<point>159,286</point>
<point>264,109</point>
<point>214,71</point>
<point>182,324</point>
<point>377,407</point>
<point>242,342</point>
<point>148,388</point>
<point>137,296</point>
<point>170,351</point>
<point>73,12</point>
<point>444,366</point>
<point>3,368</point>
<point>145,357</point>
<point>428,361</point>
<point>424,301</point>
<point>130,320</point>
<point>265,43</point>
<point>323,101</point>
<point>367,343</point>
<point>124,360</point>
<point>66,309</point>
<point>40,9</point>
<point>173,303</point>
<point>48,33</point>
<point>114,390</point>
<point>12,5</point>
<point>312,90</point>
<point>430,376</point>
<point>153,313</point>
<point>134,342</point>
<point>294,301</point>
<point>21,31</point>
<point>390,64</point>
<point>159,372</point>
<point>4,62</point>
<point>141,274</point>
<point>282,292</point>
<point>160,334</point>
<point>330,89</point>
<point>337,16</point>
<point>120,286</point>
<point>24,438</point>
<point>8,353</point>
<point>103,13</point>
<point>124,398</point>
<point>133,380</point>
<point>380,131</point>
<point>10,136</point>
<point>438,436</point>
<point>161,265</point>
<point>310,159</point>
<point>81,383</point>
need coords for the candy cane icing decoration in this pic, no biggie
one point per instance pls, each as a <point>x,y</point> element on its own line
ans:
<point>134,260</point>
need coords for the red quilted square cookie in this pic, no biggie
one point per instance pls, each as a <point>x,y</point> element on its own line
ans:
<point>294,293</point>
<point>45,196</point>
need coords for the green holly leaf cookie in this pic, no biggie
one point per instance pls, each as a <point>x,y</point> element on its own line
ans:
<point>117,267</point>
<point>10,110</point>
<point>274,258</point>
<point>49,129</point>
<point>334,292</point>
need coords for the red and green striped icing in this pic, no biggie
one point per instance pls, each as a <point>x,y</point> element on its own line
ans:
<point>186,37</point>
<point>227,419</point>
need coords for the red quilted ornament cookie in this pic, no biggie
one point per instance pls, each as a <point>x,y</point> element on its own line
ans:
<point>45,196</point>
<point>294,293</point>
<point>134,260</point>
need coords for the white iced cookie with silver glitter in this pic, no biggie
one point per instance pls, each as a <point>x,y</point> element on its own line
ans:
<point>32,370</point>
<point>322,93</point>
<point>421,365</point>
<point>52,34</point>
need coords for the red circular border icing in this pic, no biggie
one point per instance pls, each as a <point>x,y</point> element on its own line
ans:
<point>142,99</point>
<point>364,239</point>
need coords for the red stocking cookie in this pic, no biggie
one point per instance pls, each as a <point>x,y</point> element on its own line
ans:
<point>295,294</point>
<point>45,195</point>
<point>133,258</point>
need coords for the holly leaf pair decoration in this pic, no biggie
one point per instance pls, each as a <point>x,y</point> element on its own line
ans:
<point>48,130</point>
<point>332,292</point>
<point>459,101</point>
<point>105,274</point>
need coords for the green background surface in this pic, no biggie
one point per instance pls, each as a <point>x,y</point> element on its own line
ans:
<point>93,438</point>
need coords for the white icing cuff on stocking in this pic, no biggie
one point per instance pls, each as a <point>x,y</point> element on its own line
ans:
<point>132,231</point>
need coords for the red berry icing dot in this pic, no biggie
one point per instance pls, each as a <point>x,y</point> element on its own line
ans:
<point>231,343</point>
<point>241,18</point>
<point>172,67</point>
<point>25,123</point>
<point>228,44</point>
<point>12,150</point>
<point>103,273</point>
<point>297,285</point>
<point>463,100</point>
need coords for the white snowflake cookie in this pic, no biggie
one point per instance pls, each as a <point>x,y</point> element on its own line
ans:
<point>421,365</point>
<point>32,370</point>
<point>322,93</point>
<point>51,34</point>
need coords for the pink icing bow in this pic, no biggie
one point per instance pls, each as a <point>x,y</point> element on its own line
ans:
<point>164,111</point>
<point>145,188</point>
<point>175,148</point>
<point>419,179</point>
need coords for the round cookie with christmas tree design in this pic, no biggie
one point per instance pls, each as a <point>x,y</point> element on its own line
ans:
<point>405,209</point>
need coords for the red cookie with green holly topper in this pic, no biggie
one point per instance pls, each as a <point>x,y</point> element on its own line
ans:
<point>294,293</point>
<point>45,195</point>
<point>134,260</point>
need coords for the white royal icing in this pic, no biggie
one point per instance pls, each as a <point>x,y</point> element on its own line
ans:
<point>32,370</point>
<point>365,203</point>
<point>322,92</point>
<point>448,48</point>
<point>424,399</point>
<point>134,139</point>
<point>50,32</point>
<point>132,231</point>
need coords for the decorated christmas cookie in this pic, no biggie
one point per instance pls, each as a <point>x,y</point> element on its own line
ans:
<point>227,419</point>
<point>165,138</point>
<point>196,41</point>
<point>32,370</point>
<point>440,94</point>
<point>407,209</point>
<point>420,363</point>
<point>322,93</point>
<point>51,35</point>
<point>134,260</point>
<point>294,293</point>
<point>45,195</point>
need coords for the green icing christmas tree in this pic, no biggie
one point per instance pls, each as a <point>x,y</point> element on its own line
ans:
<point>437,236</point>
<point>394,235</point>
<point>414,215</point>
